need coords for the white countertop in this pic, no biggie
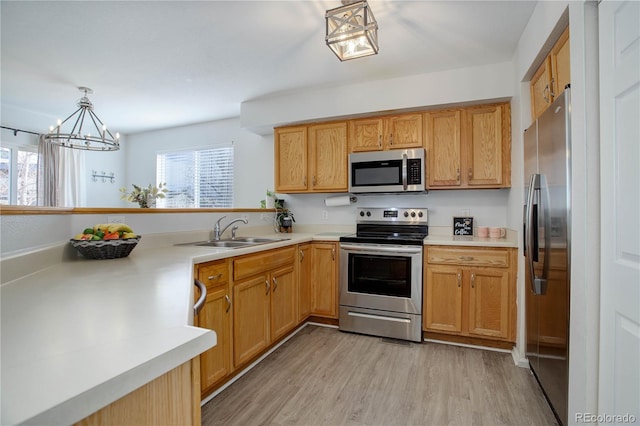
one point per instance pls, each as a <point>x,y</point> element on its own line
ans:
<point>81,334</point>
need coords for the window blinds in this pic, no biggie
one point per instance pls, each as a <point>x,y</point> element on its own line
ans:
<point>199,178</point>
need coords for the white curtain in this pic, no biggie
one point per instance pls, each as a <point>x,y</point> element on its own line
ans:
<point>48,166</point>
<point>60,176</point>
<point>72,188</point>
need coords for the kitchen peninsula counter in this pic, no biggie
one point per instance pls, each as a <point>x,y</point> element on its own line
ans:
<point>80,334</point>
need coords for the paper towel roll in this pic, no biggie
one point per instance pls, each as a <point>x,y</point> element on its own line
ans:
<point>344,200</point>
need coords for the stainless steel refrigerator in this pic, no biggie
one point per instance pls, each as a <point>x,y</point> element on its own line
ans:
<point>547,248</point>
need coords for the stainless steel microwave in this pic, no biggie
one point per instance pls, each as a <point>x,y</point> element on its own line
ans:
<point>399,170</point>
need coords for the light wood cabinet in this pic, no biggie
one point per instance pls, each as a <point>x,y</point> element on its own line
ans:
<point>291,150</point>
<point>311,158</point>
<point>398,131</point>
<point>215,363</point>
<point>324,283</point>
<point>173,398</point>
<point>470,292</point>
<point>305,270</point>
<point>469,147</point>
<point>265,299</point>
<point>551,78</point>
<point>328,157</point>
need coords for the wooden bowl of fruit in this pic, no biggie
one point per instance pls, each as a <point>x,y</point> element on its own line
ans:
<point>106,241</point>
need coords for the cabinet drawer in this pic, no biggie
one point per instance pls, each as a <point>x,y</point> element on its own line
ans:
<point>253,264</point>
<point>213,274</point>
<point>468,257</point>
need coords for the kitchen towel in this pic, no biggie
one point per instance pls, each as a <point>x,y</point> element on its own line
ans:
<point>344,200</point>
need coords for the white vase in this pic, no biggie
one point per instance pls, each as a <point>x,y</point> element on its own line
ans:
<point>270,202</point>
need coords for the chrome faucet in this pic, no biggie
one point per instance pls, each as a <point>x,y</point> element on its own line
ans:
<point>217,232</point>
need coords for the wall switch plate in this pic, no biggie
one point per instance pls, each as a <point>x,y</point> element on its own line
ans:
<point>116,219</point>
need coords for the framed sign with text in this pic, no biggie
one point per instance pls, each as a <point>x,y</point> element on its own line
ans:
<point>463,226</point>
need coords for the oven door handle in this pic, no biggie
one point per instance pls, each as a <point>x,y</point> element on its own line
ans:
<point>380,248</point>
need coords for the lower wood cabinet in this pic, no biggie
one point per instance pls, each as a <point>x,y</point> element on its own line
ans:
<point>324,281</point>
<point>171,399</point>
<point>265,298</point>
<point>256,299</point>
<point>470,291</point>
<point>215,363</point>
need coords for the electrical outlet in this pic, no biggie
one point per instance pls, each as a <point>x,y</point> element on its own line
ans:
<point>116,219</point>
<point>325,215</point>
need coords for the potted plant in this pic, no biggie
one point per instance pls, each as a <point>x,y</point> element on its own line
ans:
<point>284,218</point>
<point>145,197</point>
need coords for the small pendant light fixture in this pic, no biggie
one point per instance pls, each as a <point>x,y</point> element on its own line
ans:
<point>88,131</point>
<point>352,30</point>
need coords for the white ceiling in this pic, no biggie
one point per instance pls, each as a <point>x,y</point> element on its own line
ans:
<point>157,64</point>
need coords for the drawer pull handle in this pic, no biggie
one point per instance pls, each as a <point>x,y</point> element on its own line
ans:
<point>467,258</point>
<point>268,286</point>
<point>459,279</point>
<point>301,255</point>
<point>275,284</point>
<point>214,277</point>
<point>226,297</point>
<point>473,280</point>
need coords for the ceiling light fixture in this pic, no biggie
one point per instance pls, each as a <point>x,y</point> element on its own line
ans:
<point>80,135</point>
<point>352,30</point>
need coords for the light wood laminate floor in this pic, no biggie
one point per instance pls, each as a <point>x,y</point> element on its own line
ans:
<point>326,377</point>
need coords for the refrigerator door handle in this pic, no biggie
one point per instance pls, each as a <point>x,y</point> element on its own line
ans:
<point>545,201</point>
<point>538,285</point>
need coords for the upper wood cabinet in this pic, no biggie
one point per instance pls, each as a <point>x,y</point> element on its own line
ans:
<point>291,150</point>
<point>550,79</point>
<point>469,147</point>
<point>328,157</point>
<point>382,133</point>
<point>311,158</point>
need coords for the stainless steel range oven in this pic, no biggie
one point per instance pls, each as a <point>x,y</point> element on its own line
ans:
<point>381,273</point>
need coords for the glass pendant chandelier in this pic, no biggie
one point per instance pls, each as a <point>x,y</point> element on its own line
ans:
<point>87,132</point>
<point>352,30</point>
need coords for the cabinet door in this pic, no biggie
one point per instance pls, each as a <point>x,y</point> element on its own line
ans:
<point>328,157</point>
<point>304,281</point>
<point>215,363</point>
<point>443,299</point>
<point>442,134</point>
<point>250,318</point>
<point>489,302</point>
<point>365,134</point>
<point>484,146</point>
<point>403,131</point>
<point>540,87</point>
<point>560,64</point>
<point>283,301</point>
<point>291,159</point>
<point>325,280</point>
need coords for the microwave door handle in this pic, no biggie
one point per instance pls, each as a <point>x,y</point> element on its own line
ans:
<point>404,172</point>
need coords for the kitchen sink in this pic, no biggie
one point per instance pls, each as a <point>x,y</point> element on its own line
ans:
<point>234,243</point>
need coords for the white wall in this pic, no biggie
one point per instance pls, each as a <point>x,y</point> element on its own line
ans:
<point>451,87</point>
<point>253,155</point>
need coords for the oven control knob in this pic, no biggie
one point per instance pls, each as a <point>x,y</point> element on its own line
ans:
<point>361,213</point>
<point>368,214</point>
<point>413,214</point>
<point>406,214</point>
<point>420,213</point>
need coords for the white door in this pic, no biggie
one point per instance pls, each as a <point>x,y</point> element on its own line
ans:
<point>619,377</point>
